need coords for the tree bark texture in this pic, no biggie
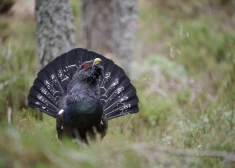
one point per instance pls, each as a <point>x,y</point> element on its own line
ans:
<point>55,29</point>
<point>110,27</point>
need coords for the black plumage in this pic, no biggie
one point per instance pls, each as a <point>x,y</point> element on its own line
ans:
<point>82,93</point>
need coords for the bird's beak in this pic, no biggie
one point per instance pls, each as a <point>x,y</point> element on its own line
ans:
<point>96,61</point>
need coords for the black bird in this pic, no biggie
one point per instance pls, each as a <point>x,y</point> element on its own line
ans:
<point>83,90</point>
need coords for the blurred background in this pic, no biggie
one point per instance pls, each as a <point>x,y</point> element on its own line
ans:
<point>180,55</point>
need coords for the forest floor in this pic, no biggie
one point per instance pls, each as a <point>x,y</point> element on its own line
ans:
<point>184,72</point>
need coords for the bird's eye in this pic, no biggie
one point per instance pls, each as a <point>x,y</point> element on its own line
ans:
<point>85,65</point>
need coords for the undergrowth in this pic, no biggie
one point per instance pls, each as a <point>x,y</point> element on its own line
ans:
<point>184,74</point>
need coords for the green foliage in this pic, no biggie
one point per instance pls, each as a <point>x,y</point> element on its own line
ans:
<point>210,45</point>
<point>75,5</point>
<point>4,33</point>
<point>166,66</point>
<point>18,66</point>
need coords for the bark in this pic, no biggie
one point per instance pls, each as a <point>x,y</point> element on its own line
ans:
<point>55,29</point>
<point>110,27</point>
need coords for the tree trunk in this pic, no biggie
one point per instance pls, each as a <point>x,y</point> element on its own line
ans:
<point>55,31</point>
<point>110,27</point>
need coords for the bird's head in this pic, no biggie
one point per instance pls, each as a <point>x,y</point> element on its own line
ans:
<point>91,70</point>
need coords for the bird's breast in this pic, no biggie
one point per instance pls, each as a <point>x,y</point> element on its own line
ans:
<point>83,113</point>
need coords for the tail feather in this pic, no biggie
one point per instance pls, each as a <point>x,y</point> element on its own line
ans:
<point>39,85</point>
<point>75,57</point>
<point>39,107</point>
<point>118,95</point>
<point>40,96</point>
<point>122,106</point>
<point>111,80</point>
<point>40,102</point>
<point>131,110</point>
<point>60,73</point>
<point>71,61</point>
<point>116,100</point>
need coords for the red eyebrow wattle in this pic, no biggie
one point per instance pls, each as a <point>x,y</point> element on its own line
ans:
<point>85,65</point>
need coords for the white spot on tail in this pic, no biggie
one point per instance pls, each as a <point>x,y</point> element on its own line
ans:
<point>61,111</point>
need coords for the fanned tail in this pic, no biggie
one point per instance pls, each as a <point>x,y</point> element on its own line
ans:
<point>118,95</point>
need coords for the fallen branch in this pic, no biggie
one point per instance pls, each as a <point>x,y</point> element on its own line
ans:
<point>228,157</point>
<point>9,116</point>
<point>189,152</point>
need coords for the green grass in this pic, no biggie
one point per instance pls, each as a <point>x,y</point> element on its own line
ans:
<point>184,74</point>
